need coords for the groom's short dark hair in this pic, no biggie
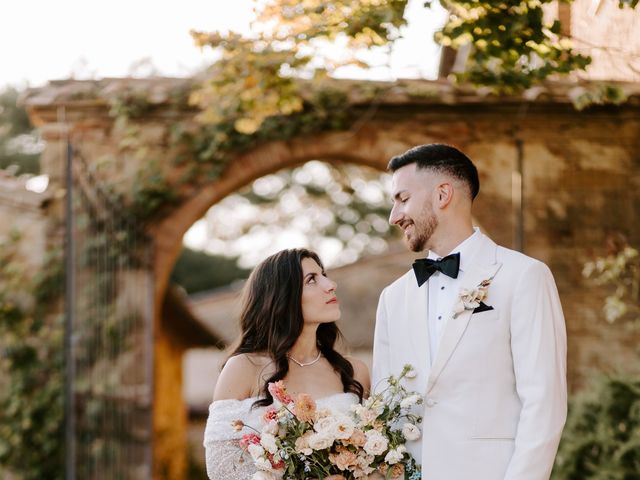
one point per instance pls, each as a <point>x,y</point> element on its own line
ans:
<point>441,158</point>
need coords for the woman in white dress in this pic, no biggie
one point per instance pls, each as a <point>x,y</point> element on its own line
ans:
<point>288,333</point>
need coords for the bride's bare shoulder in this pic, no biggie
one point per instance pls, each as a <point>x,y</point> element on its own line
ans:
<point>238,377</point>
<point>361,373</point>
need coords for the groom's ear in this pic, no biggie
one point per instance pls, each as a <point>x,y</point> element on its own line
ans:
<point>444,194</point>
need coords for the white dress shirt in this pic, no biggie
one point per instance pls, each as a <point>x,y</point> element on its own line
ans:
<point>442,291</point>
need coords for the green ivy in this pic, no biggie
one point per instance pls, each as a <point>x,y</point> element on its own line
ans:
<point>511,46</point>
<point>31,362</point>
<point>209,147</point>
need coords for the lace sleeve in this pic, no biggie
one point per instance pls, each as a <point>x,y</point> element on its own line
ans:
<point>225,458</point>
<point>227,461</point>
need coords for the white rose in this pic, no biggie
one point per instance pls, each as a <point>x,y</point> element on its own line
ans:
<point>344,427</point>
<point>327,426</point>
<point>367,416</point>
<point>255,450</point>
<point>263,464</point>
<point>268,441</point>
<point>393,456</point>
<point>409,401</point>
<point>376,443</point>
<point>272,428</point>
<point>320,441</point>
<point>410,431</point>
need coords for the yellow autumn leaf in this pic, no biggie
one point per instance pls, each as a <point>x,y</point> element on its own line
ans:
<point>247,126</point>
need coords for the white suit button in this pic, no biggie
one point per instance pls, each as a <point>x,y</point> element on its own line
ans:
<point>431,402</point>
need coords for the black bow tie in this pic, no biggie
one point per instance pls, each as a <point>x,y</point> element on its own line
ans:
<point>425,267</point>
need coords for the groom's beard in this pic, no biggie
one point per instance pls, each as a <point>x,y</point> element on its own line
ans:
<point>423,230</point>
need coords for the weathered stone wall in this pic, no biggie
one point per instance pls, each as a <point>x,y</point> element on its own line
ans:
<point>580,175</point>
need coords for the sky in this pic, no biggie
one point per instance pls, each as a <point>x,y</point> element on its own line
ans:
<point>42,40</point>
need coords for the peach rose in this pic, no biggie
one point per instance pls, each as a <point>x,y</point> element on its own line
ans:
<point>344,459</point>
<point>357,438</point>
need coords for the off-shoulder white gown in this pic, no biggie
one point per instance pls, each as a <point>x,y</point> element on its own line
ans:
<point>224,456</point>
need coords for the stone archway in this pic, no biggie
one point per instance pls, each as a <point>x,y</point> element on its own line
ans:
<point>370,147</point>
<point>554,181</point>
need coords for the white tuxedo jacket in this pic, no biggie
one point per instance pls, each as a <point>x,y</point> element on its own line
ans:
<point>495,395</point>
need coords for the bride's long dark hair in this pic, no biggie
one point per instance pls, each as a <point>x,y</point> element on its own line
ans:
<point>271,320</point>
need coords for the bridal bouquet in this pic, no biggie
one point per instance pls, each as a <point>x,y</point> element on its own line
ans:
<point>300,441</point>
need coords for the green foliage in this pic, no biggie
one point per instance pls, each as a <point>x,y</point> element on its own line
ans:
<point>18,140</point>
<point>198,271</point>
<point>256,77</point>
<point>601,94</point>
<point>601,439</point>
<point>512,47</point>
<point>152,193</point>
<point>31,366</point>
<point>210,147</point>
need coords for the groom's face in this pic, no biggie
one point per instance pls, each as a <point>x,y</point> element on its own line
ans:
<point>413,211</point>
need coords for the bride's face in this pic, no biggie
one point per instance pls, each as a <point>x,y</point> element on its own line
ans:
<point>319,301</point>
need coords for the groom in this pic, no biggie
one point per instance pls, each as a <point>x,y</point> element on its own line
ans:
<point>481,324</point>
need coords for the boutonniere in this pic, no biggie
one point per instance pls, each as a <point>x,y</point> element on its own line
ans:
<point>471,299</point>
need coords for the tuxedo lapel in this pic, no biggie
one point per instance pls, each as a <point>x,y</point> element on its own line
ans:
<point>483,267</point>
<point>418,339</point>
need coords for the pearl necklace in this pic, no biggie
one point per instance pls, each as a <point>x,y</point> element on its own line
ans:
<point>305,364</point>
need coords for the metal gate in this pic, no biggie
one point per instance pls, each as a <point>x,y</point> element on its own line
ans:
<point>109,349</point>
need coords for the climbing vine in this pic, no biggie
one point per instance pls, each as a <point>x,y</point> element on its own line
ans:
<point>203,150</point>
<point>31,366</point>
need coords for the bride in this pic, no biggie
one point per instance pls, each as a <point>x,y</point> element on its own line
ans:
<point>288,333</point>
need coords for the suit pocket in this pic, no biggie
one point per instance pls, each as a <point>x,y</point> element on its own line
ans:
<point>484,315</point>
<point>483,307</point>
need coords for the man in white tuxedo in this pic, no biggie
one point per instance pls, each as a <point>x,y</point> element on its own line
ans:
<point>481,324</point>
